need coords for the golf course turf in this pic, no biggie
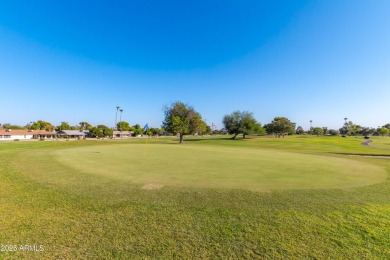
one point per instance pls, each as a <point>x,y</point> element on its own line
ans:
<point>220,167</point>
<point>293,197</point>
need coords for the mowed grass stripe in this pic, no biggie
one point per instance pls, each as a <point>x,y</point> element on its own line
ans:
<point>259,169</point>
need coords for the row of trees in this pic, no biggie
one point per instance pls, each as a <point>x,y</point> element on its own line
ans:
<point>39,125</point>
<point>348,129</point>
<point>95,131</point>
<point>181,119</point>
<point>43,125</point>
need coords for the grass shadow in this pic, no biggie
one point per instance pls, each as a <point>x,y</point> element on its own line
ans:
<point>365,154</point>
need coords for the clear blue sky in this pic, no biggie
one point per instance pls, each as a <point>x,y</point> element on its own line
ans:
<point>307,60</point>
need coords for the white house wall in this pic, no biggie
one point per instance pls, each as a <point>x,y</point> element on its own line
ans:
<point>13,137</point>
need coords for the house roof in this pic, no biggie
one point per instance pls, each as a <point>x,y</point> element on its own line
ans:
<point>25,132</point>
<point>123,132</point>
<point>71,132</point>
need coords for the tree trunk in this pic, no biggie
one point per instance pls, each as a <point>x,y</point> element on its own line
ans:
<point>243,136</point>
<point>181,138</point>
<point>234,137</point>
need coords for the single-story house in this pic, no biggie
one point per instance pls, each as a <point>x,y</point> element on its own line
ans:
<point>76,134</point>
<point>12,134</point>
<point>122,133</point>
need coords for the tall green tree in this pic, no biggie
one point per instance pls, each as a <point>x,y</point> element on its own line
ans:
<point>42,125</point>
<point>300,130</point>
<point>85,126</point>
<point>181,119</point>
<point>333,132</point>
<point>63,126</point>
<point>101,131</point>
<point>367,131</point>
<point>136,129</point>
<point>280,126</point>
<point>242,123</point>
<point>96,132</point>
<point>123,126</point>
<point>318,131</point>
<point>350,128</point>
<point>155,131</point>
<point>382,131</point>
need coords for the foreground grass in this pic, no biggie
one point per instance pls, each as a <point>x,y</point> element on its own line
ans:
<point>78,214</point>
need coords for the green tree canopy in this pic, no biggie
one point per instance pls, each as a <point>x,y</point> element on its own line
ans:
<point>137,131</point>
<point>101,131</point>
<point>350,128</point>
<point>123,126</point>
<point>10,126</point>
<point>300,130</point>
<point>333,132</point>
<point>242,123</point>
<point>280,126</point>
<point>382,131</point>
<point>318,131</point>
<point>155,131</point>
<point>182,119</point>
<point>96,132</point>
<point>367,131</point>
<point>42,125</point>
<point>63,126</point>
<point>85,126</point>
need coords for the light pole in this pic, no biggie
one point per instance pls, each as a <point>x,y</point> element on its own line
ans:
<point>116,117</point>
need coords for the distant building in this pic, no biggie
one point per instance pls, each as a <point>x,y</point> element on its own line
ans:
<point>74,134</point>
<point>11,134</point>
<point>121,134</point>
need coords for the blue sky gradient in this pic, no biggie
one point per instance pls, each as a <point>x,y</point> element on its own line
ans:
<point>307,60</point>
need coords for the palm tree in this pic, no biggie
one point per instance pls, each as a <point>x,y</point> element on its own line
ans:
<point>116,116</point>
<point>311,121</point>
<point>120,117</point>
<point>345,119</point>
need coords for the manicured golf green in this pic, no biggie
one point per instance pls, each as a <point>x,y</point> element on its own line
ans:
<point>296,197</point>
<point>220,167</point>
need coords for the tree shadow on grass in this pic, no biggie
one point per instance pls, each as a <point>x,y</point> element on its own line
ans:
<point>200,139</point>
<point>366,155</point>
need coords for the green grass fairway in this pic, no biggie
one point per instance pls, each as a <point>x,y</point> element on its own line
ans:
<point>220,167</point>
<point>297,197</point>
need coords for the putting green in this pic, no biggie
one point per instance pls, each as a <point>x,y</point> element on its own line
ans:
<point>219,167</point>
